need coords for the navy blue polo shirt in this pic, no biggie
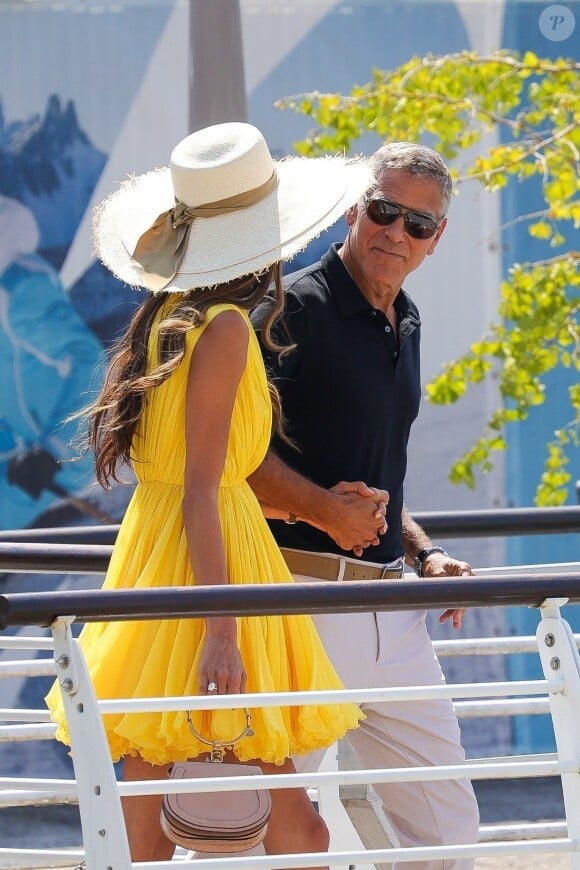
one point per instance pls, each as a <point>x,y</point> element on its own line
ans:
<point>350,392</point>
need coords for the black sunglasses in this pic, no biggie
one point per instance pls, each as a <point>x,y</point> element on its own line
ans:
<point>384,212</point>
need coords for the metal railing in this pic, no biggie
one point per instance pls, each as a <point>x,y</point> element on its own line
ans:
<point>453,524</point>
<point>560,690</point>
<point>31,608</point>
<point>87,549</point>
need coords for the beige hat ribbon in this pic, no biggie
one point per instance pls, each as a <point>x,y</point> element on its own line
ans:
<point>161,248</point>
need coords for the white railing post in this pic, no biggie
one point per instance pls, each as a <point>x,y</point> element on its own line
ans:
<point>104,833</point>
<point>561,665</point>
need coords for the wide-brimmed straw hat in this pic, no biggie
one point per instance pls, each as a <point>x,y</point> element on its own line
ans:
<point>223,208</point>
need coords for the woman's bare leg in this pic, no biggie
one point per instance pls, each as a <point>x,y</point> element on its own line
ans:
<point>295,825</point>
<point>147,842</point>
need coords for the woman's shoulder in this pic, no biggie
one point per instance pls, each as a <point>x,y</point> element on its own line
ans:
<point>223,322</point>
<point>219,307</point>
<point>171,307</point>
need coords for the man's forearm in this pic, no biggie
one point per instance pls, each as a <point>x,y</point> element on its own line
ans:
<point>351,513</point>
<point>415,538</point>
<point>284,491</point>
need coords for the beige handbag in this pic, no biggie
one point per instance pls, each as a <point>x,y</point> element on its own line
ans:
<point>222,821</point>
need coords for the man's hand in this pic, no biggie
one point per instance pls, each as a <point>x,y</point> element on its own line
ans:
<point>440,565</point>
<point>359,517</point>
<point>351,513</point>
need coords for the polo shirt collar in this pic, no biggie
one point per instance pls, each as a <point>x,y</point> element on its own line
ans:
<point>350,301</point>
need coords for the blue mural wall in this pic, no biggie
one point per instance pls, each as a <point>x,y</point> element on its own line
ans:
<point>549,36</point>
<point>59,116</point>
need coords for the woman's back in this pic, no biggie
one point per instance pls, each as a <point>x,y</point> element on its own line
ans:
<point>158,448</point>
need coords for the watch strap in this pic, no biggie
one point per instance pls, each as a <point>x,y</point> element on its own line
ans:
<point>422,555</point>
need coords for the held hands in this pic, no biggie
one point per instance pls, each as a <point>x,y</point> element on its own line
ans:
<point>221,669</point>
<point>441,565</point>
<point>359,516</point>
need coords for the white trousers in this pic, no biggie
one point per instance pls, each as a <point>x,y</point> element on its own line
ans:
<point>394,649</point>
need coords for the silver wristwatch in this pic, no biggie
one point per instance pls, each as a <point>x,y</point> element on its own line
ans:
<point>422,555</point>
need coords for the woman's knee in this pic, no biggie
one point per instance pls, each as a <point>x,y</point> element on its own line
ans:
<point>319,834</point>
<point>295,825</point>
<point>314,832</point>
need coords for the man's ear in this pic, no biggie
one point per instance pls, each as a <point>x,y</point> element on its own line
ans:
<point>350,215</point>
<point>436,237</point>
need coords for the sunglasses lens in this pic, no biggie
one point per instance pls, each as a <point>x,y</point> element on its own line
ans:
<point>384,213</point>
<point>420,226</point>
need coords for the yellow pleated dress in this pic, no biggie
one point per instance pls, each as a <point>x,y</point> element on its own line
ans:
<point>160,658</point>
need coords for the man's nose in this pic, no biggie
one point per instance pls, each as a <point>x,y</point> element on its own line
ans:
<point>396,230</point>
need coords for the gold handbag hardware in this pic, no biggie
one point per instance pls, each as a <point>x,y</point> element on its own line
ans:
<point>218,747</point>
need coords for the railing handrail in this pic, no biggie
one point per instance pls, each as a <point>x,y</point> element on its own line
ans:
<point>565,763</point>
<point>55,558</point>
<point>502,588</point>
<point>453,524</point>
<point>97,605</point>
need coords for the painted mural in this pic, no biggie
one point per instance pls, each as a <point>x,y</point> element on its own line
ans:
<point>52,336</point>
<point>48,351</point>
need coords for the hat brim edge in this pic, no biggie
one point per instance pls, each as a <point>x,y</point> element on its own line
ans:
<point>313,194</point>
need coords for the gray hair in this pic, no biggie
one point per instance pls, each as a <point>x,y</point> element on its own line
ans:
<point>418,160</point>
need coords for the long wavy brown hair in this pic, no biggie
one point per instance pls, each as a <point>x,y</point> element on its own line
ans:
<point>113,416</point>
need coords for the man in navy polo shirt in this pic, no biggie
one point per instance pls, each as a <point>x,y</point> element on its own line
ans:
<point>350,390</point>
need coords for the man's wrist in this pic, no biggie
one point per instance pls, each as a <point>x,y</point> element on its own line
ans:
<point>422,555</point>
<point>320,510</point>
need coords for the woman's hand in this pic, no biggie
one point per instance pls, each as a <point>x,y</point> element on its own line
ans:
<point>221,661</point>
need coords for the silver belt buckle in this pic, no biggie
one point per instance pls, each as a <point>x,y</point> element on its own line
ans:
<point>393,566</point>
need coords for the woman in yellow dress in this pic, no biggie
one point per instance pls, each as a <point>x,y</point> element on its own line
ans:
<point>186,401</point>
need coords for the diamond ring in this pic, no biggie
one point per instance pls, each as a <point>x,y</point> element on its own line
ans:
<point>212,687</point>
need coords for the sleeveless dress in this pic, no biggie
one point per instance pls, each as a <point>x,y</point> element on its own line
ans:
<point>160,658</point>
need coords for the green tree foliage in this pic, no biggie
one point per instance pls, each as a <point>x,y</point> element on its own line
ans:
<point>454,100</point>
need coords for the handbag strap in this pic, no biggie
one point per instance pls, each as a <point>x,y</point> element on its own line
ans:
<point>218,747</point>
